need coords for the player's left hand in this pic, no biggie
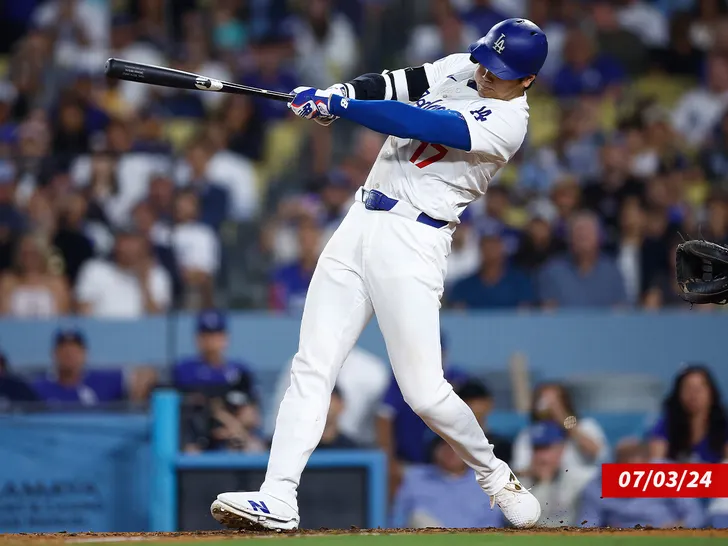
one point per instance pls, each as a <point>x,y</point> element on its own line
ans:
<point>311,103</point>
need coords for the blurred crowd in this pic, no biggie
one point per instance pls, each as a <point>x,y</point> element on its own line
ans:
<point>558,453</point>
<point>120,200</point>
<point>182,199</point>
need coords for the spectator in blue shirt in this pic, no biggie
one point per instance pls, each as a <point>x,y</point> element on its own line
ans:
<point>584,278</point>
<point>627,513</point>
<point>214,198</point>
<point>693,426</point>
<point>211,369</point>
<point>290,282</point>
<point>584,71</point>
<point>496,284</point>
<point>443,493</point>
<point>70,382</point>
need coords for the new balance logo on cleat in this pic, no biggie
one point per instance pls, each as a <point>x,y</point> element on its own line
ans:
<point>259,506</point>
<point>516,482</point>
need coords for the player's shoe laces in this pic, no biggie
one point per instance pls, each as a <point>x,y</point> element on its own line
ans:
<point>517,503</point>
<point>254,511</point>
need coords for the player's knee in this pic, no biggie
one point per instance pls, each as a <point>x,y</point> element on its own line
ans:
<point>424,401</point>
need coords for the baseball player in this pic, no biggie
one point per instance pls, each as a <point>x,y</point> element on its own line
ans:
<point>453,124</point>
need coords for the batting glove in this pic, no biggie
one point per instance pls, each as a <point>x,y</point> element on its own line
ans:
<point>312,103</point>
<point>336,89</point>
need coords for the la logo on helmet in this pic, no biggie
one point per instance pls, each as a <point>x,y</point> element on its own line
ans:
<point>500,44</point>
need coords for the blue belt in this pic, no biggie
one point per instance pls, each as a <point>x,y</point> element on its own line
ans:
<point>376,200</point>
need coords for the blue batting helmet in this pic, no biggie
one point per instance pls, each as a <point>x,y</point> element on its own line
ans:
<point>512,49</point>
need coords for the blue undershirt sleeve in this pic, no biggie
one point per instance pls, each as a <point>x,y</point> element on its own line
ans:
<point>446,127</point>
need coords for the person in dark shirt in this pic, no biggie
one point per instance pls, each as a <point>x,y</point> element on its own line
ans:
<point>693,426</point>
<point>332,437</point>
<point>538,244</point>
<point>70,239</point>
<point>606,195</point>
<point>211,369</point>
<point>13,389</point>
<point>70,382</point>
<point>496,284</point>
<point>480,400</point>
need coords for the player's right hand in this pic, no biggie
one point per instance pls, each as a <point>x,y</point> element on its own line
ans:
<point>309,103</point>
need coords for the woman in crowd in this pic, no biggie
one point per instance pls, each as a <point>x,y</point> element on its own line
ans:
<point>586,443</point>
<point>693,425</point>
<point>31,289</point>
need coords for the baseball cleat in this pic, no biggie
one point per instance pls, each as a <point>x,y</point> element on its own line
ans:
<point>254,512</point>
<point>517,503</point>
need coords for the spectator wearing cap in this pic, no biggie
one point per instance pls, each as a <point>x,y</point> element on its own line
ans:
<point>211,368</point>
<point>555,486</point>
<point>586,277</point>
<point>401,434</point>
<point>196,249</point>
<point>333,437</point>
<point>663,513</point>
<point>13,389</point>
<point>71,382</point>
<point>290,282</point>
<point>586,444</point>
<point>496,285</point>
<point>31,289</point>
<point>443,493</point>
<point>130,285</point>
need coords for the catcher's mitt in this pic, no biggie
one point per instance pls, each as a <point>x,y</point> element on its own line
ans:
<point>702,272</point>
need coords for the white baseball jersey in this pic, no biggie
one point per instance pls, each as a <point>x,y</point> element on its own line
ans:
<point>442,181</point>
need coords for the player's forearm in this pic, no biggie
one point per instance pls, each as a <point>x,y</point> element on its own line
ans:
<point>403,85</point>
<point>444,127</point>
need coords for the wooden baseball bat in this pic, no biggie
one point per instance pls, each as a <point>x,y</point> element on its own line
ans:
<point>169,77</point>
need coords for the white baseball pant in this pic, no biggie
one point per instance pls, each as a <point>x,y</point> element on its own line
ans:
<point>376,262</point>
